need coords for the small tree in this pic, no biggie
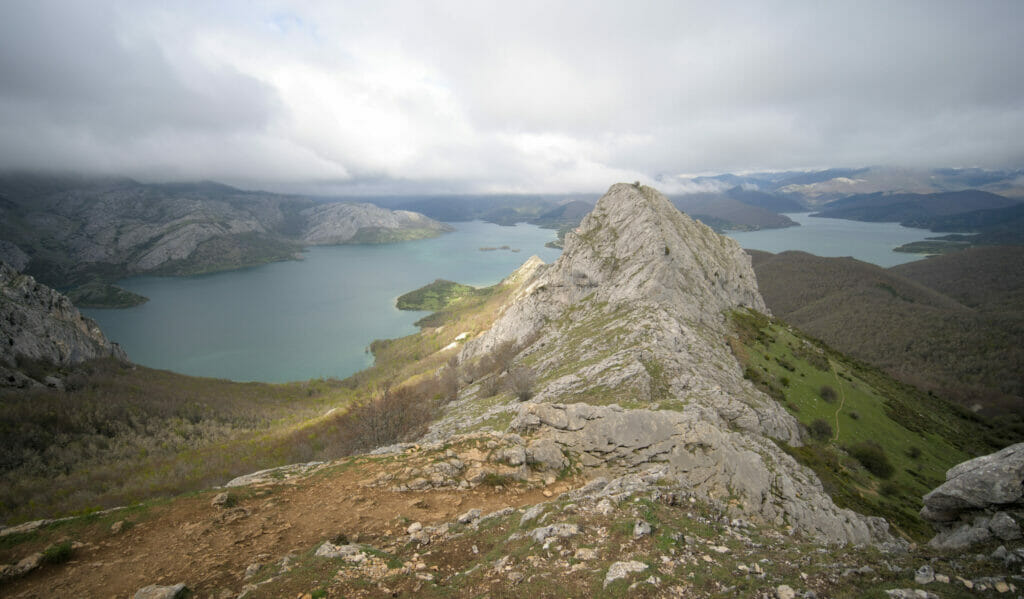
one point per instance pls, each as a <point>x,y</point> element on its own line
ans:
<point>521,381</point>
<point>828,393</point>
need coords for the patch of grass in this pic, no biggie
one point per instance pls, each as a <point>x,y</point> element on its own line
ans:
<point>493,479</point>
<point>436,296</point>
<point>58,553</point>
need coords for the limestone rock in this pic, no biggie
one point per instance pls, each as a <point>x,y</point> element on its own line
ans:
<point>986,481</point>
<point>561,531</point>
<point>635,310</point>
<point>960,538</point>
<point>39,323</point>
<point>718,462</point>
<point>971,506</point>
<point>1004,527</point>
<point>161,592</point>
<point>924,575</point>
<point>330,550</point>
<point>545,454</point>
<point>620,570</point>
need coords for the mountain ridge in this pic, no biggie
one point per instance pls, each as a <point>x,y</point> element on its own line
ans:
<point>83,231</point>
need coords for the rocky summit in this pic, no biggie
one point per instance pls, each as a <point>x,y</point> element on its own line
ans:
<point>633,317</point>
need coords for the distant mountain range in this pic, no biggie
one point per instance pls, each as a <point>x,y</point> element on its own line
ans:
<point>81,234</point>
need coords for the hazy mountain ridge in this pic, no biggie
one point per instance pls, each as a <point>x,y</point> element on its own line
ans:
<point>82,231</point>
<point>908,207</point>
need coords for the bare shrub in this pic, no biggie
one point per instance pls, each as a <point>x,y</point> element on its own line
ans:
<point>828,393</point>
<point>521,381</point>
<point>449,380</point>
<point>491,385</point>
<point>398,414</point>
<point>503,354</point>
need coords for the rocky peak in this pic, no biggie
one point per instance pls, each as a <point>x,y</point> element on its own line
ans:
<point>635,245</point>
<point>39,323</point>
<point>633,320</point>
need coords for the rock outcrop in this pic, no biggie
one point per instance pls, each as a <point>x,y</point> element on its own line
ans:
<point>635,312</point>
<point>40,324</point>
<point>981,500</point>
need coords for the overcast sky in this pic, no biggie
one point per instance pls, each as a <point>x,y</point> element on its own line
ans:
<point>475,96</point>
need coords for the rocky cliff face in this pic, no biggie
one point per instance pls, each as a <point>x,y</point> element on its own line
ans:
<point>634,313</point>
<point>38,323</point>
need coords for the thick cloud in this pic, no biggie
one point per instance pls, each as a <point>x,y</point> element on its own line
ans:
<point>498,96</point>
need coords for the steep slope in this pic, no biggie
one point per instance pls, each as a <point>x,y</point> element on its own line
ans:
<point>37,324</point>
<point>634,313</point>
<point>952,323</point>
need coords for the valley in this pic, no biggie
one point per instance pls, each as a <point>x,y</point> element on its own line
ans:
<point>627,409</point>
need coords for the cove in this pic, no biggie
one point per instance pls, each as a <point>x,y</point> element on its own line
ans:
<point>311,318</point>
<point>831,237</point>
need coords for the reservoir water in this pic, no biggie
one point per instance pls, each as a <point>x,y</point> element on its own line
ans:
<point>315,318</point>
<point>831,237</point>
<point>311,318</point>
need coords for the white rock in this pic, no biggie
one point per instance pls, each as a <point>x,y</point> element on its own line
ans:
<point>620,570</point>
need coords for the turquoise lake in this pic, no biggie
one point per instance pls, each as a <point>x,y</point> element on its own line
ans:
<point>315,317</point>
<point>311,318</point>
<point>832,237</point>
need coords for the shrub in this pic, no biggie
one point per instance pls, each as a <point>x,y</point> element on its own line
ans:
<point>820,430</point>
<point>914,453</point>
<point>889,489</point>
<point>521,381</point>
<point>828,393</point>
<point>57,553</point>
<point>854,415</point>
<point>873,458</point>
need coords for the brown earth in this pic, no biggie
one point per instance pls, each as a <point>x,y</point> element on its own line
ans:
<point>209,548</point>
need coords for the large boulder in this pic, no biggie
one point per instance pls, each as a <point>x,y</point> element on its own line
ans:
<point>978,501</point>
<point>979,484</point>
<point>41,324</point>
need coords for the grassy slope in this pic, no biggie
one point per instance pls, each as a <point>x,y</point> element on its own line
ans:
<point>953,324</point>
<point>921,435</point>
<point>123,433</point>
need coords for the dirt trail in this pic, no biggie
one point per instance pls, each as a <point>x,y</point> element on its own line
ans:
<point>209,548</point>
